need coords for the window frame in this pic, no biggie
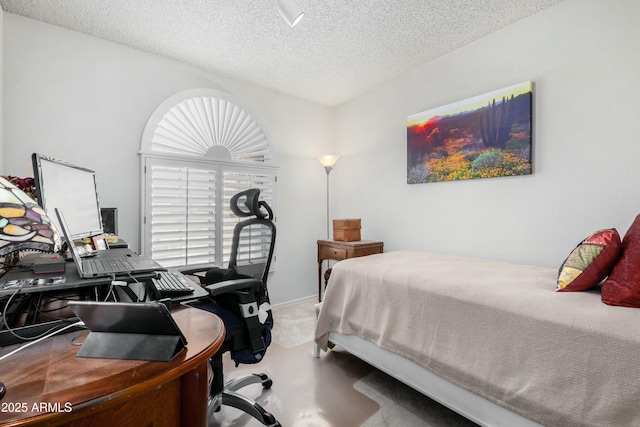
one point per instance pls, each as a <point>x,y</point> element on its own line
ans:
<point>207,128</point>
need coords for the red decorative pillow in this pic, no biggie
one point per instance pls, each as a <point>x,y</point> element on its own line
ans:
<point>622,287</point>
<point>590,262</point>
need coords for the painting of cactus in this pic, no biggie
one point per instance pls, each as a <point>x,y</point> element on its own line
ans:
<point>485,136</point>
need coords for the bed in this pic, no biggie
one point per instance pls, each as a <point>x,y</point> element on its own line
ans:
<point>489,339</point>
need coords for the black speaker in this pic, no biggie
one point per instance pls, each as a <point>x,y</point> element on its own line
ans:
<point>109,220</point>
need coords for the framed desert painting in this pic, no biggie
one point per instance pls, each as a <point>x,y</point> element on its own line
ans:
<point>485,136</point>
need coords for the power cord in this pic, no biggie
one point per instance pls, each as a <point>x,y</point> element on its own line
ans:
<point>13,332</point>
<point>111,288</point>
<point>144,295</point>
<point>79,323</point>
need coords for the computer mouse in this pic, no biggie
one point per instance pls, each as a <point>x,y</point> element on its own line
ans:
<point>3,389</point>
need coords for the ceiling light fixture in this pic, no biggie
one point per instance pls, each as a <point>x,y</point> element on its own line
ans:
<point>290,10</point>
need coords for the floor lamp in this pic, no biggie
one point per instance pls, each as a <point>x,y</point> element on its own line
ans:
<point>328,161</point>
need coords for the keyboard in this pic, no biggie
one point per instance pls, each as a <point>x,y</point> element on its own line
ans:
<point>172,283</point>
<point>106,265</point>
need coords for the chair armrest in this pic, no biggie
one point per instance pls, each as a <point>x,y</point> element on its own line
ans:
<point>232,285</point>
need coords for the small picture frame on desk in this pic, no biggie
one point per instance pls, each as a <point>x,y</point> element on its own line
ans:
<point>99,242</point>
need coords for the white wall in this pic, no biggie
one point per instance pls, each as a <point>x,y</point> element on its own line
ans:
<point>86,101</point>
<point>582,56</point>
<point>1,89</point>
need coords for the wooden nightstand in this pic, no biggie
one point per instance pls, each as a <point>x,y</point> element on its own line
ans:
<point>333,249</point>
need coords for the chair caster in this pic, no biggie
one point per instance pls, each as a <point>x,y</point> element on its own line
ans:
<point>270,420</point>
<point>266,381</point>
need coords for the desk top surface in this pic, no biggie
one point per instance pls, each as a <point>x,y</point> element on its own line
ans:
<point>48,374</point>
<point>69,279</point>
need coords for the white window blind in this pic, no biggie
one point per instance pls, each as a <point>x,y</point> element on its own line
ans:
<point>188,221</point>
<point>182,211</point>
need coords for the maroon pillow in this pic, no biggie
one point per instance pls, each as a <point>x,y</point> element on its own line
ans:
<point>622,287</point>
<point>590,262</point>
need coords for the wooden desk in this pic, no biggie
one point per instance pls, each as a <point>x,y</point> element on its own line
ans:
<point>333,249</point>
<point>48,385</point>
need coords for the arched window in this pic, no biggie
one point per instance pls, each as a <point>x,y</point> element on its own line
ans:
<point>199,148</point>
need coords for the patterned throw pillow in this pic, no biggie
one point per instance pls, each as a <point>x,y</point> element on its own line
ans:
<point>590,262</point>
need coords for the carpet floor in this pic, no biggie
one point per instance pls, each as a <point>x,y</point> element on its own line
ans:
<point>336,390</point>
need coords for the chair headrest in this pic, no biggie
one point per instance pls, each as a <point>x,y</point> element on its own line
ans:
<point>252,206</point>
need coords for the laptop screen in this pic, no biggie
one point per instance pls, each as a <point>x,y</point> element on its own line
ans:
<point>69,239</point>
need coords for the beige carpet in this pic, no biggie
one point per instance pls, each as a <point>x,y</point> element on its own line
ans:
<point>337,390</point>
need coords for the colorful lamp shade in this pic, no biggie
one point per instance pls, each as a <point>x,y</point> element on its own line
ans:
<point>23,224</point>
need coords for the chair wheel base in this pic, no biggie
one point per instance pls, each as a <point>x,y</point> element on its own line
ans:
<point>230,397</point>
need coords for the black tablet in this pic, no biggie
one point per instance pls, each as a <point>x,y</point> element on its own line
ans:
<point>141,331</point>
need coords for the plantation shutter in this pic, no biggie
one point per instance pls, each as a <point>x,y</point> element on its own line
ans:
<point>182,212</point>
<point>199,148</point>
<point>188,220</point>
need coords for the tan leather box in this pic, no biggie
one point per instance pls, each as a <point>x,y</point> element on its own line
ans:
<point>346,230</point>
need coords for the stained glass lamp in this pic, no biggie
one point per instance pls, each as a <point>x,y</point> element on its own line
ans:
<point>23,224</point>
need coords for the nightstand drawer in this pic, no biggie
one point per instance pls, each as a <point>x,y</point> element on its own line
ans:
<point>367,250</point>
<point>339,250</point>
<point>331,253</point>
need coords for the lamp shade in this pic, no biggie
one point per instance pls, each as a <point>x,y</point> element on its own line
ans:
<point>290,11</point>
<point>329,160</point>
<point>23,224</point>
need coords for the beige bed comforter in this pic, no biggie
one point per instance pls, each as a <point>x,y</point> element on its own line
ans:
<point>496,329</point>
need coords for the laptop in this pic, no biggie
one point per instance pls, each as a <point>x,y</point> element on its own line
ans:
<point>105,267</point>
<point>134,331</point>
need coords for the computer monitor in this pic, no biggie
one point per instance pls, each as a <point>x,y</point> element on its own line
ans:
<point>70,188</point>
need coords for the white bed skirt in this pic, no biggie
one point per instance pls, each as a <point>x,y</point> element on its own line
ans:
<point>458,399</point>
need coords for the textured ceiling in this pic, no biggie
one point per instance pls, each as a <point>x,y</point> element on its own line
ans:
<point>340,49</point>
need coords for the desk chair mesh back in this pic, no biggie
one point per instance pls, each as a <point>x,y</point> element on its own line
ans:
<point>253,239</point>
<point>238,294</point>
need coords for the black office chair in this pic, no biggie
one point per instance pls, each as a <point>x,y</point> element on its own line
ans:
<point>238,294</point>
